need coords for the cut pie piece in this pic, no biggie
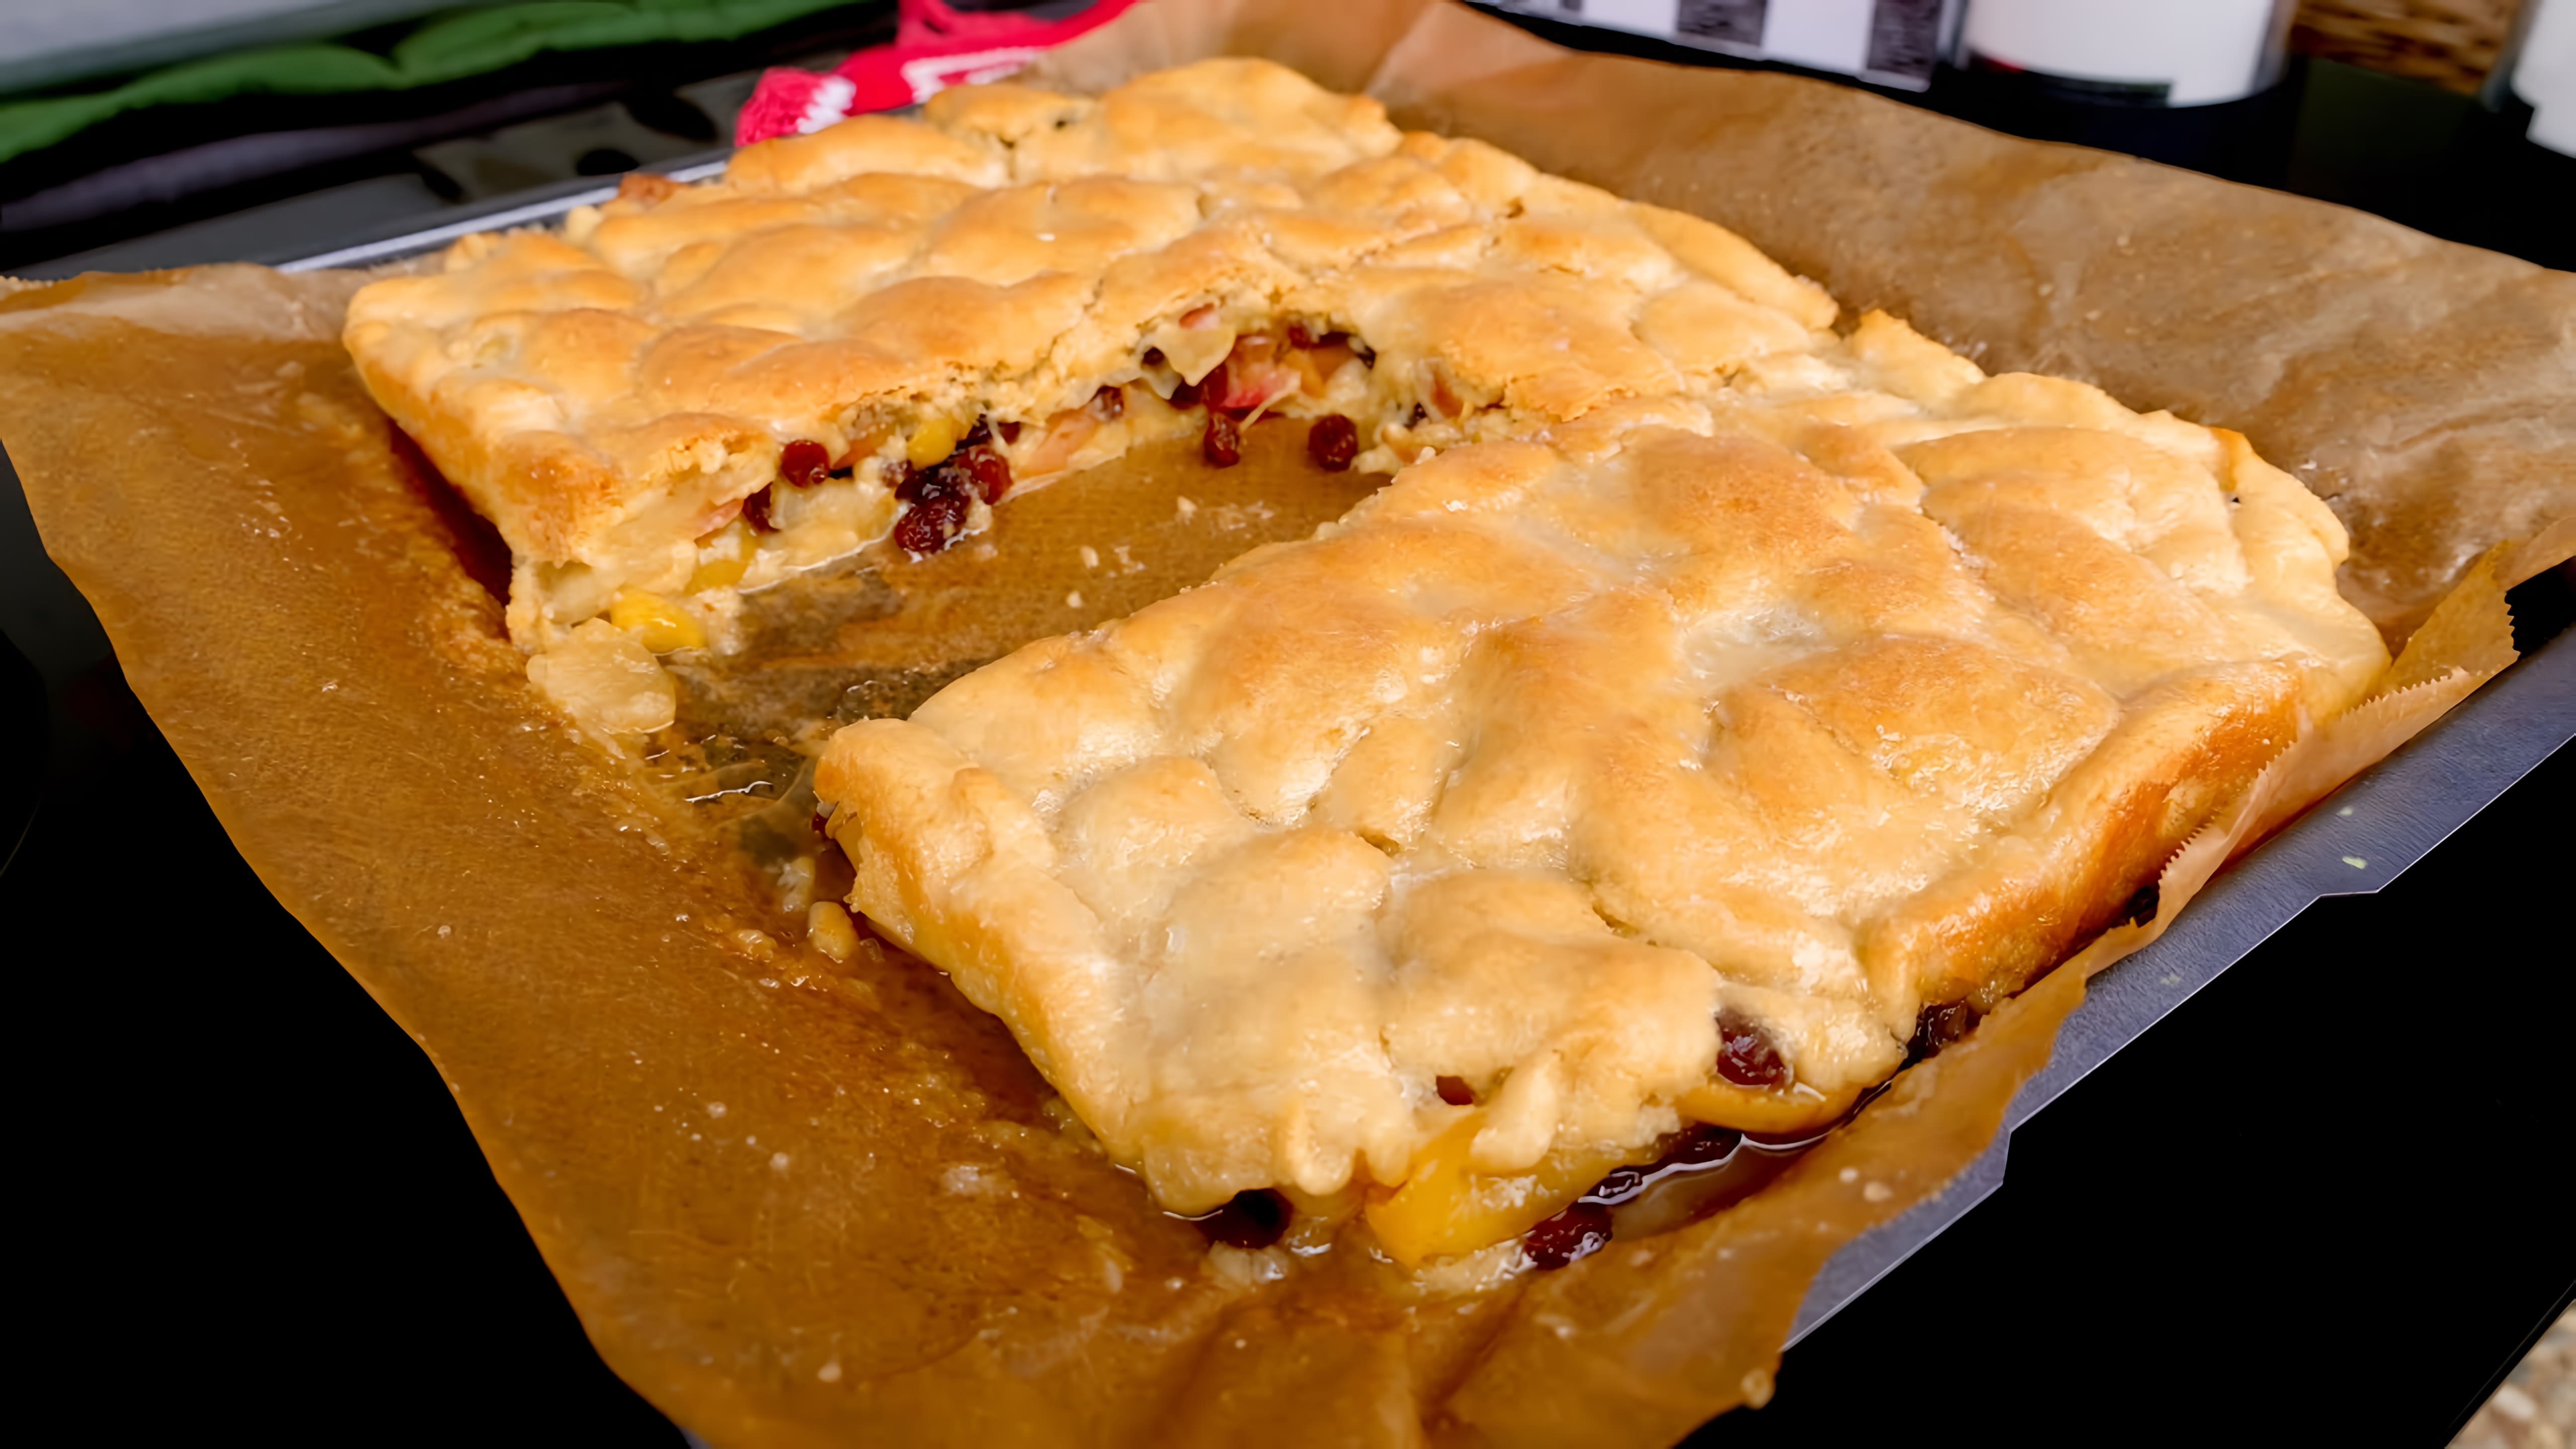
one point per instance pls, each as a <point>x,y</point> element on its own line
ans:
<point>886,326</point>
<point>1574,788</point>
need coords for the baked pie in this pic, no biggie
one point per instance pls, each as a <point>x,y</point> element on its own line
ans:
<point>1575,789</point>
<point>887,326</point>
<point>1714,708</point>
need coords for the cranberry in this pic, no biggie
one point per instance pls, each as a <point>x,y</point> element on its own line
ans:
<point>1938,1026</point>
<point>1746,1055</point>
<point>1455,1091</point>
<point>976,436</point>
<point>1223,444</point>
<point>804,463</point>
<point>1301,335</point>
<point>1252,1219</point>
<point>908,481</point>
<point>1009,429</point>
<point>932,524</point>
<point>979,471</point>
<point>983,469</point>
<point>1109,404</point>
<point>1153,357</point>
<point>755,511</point>
<point>1185,394</point>
<point>1333,442</point>
<point>1622,1184</point>
<point>1699,1147</point>
<point>1578,1232</point>
<point>1702,1146</point>
<point>1212,388</point>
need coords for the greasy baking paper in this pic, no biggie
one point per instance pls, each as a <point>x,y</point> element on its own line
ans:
<point>799,1203</point>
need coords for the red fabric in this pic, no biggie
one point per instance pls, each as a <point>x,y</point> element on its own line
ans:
<point>935,47</point>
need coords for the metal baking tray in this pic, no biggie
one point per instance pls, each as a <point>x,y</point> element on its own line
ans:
<point>2354,842</point>
<point>534,207</point>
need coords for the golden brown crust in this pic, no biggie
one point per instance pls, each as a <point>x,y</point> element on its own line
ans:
<point>1889,693</point>
<point>2185,749</point>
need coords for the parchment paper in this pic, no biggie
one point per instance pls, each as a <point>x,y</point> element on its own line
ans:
<point>796,1203</point>
<point>2397,375</point>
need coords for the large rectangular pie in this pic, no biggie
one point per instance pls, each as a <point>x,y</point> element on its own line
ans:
<point>1717,705</point>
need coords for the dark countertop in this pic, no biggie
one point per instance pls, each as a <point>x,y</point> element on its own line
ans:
<point>2319,1200</point>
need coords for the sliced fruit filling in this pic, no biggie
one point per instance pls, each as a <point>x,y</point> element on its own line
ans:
<point>927,484</point>
<point>1744,1129</point>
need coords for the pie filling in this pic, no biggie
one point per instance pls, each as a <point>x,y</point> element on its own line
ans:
<point>1561,1213</point>
<point>879,331</point>
<point>926,480</point>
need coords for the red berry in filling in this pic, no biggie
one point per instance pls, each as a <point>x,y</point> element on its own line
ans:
<point>986,470</point>
<point>1621,1184</point>
<point>1253,1219</point>
<point>1333,442</point>
<point>1746,1055</point>
<point>1938,1026</point>
<point>804,463</point>
<point>932,524</point>
<point>1703,1145</point>
<point>1455,1091</point>
<point>1185,394</point>
<point>1578,1232</point>
<point>1223,444</point>
<point>1109,404</point>
<point>755,511</point>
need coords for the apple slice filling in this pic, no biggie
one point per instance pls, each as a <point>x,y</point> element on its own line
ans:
<point>923,483</point>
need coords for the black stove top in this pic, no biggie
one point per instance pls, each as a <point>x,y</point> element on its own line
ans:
<point>267,178</point>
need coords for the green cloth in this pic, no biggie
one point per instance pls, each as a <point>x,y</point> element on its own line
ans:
<point>466,43</point>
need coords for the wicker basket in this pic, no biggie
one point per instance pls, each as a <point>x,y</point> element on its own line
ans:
<point>2452,43</point>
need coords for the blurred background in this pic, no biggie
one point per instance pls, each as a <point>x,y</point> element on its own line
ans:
<point>270,1217</point>
<point>139,133</point>
<point>143,133</point>
<point>2455,117</point>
